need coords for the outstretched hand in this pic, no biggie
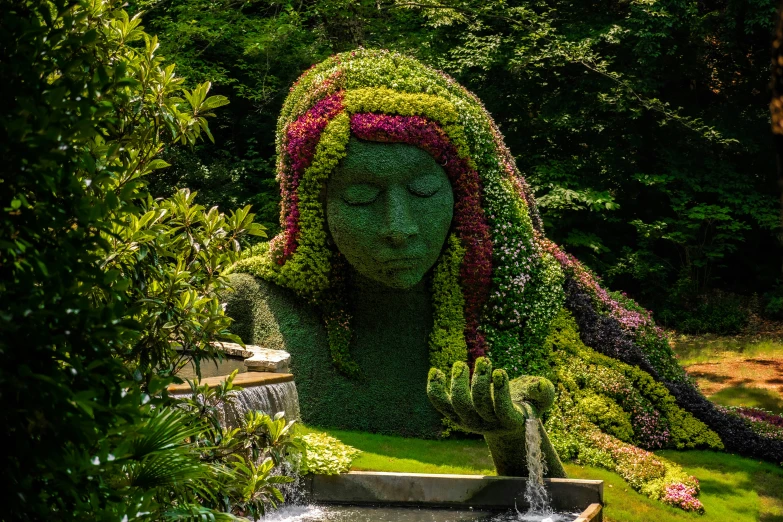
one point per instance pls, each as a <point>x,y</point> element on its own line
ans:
<point>488,403</point>
<point>497,408</point>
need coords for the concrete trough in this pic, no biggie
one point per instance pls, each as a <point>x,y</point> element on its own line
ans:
<point>452,491</point>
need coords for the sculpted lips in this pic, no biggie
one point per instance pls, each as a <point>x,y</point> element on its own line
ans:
<point>400,262</point>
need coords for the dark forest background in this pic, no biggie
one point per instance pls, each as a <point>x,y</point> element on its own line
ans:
<point>642,125</point>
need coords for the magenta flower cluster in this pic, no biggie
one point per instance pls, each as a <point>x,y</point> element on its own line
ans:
<point>630,319</point>
<point>683,496</point>
<point>648,427</point>
<point>760,421</point>
<point>761,415</point>
<point>470,222</point>
<point>301,138</point>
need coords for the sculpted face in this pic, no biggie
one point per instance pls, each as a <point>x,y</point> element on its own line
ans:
<point>389,209</point>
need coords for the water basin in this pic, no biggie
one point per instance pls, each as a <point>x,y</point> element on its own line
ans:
<point>403,514</point>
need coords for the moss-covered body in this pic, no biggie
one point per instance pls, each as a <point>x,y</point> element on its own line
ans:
<point>390,329</point>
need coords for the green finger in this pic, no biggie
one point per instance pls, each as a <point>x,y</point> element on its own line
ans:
<point>538,391</point>
<point>481,389</point>
<point>439,397</point>
<point>460,396</point>
<point>508,414</point>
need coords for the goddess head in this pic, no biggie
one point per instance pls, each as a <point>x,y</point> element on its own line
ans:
<point>394,170</point>
<point>388,210</point>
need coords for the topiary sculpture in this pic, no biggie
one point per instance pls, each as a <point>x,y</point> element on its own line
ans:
<point>377,276</point>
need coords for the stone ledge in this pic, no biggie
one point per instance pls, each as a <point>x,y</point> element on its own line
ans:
<point>451,491</point>
<point>267,360</point>
<point>243,379</point>
<point>594,512</point>
<point>233,349</point>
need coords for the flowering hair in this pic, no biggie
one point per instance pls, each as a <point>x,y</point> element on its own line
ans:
<point>507,279</point>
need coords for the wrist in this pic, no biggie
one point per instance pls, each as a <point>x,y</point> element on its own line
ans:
<point>508,452</point>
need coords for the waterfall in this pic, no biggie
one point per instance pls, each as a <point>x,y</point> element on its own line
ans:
<point>268,398</point>
<point>535,492</point>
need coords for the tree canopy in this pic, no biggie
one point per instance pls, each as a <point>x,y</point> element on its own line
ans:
<point>642,125</point>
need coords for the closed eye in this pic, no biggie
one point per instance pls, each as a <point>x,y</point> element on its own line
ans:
<point>425,186</point>
<point>361,194</point>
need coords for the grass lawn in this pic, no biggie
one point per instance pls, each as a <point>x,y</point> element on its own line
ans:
<point>710,348</point>
<point>733,488</point>
<point>736,371</point>
<point>749,397</point>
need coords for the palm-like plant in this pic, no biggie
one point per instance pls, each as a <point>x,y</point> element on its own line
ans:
<point>245,461</point>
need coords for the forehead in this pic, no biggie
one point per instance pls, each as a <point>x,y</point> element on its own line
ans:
<point>384,161</point>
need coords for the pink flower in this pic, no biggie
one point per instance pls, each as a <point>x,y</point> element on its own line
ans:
<point>683,496</point>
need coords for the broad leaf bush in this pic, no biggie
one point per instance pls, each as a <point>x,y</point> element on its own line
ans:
<point>246,459</point>
<point>327,455</point>
<point>106,290</point>
<point>170,258</point>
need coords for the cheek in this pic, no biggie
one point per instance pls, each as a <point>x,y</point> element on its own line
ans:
<point>351,227</point>
<point>434,216</point>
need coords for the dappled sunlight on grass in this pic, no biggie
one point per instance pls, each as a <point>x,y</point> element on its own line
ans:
<point>733,486</point>
<point>750,398</point>
<point>707,349</point>
<point>736,371</point>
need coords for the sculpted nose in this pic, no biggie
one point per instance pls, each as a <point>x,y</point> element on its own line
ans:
<point>400,224</point>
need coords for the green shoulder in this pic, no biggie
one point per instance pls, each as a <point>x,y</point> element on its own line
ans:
<point>265,313</point>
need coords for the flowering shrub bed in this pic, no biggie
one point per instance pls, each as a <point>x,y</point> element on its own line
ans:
<point>683,496</point>
<point>578,439</point>
<point>761,421</point>
<point>605,409</point>
<point>621,399</point>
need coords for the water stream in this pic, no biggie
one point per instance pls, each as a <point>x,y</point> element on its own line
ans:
<point>535,492</point>
<point>268,398</point>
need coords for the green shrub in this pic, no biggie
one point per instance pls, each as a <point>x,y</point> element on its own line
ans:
<point>105,290</point>
<point>718,313</point>
<point>687,432</point>
<point>607,415</point>
<point>327,455</point>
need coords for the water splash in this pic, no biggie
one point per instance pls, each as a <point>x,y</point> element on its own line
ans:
<point>535,492</point>
<point>295,514</point>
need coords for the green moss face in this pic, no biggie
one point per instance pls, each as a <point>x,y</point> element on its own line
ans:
<point>389,208</point>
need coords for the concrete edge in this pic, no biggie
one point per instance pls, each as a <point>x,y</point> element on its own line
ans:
<point>594,512</point>
<point>449,491</point>
<point>243,379</point>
